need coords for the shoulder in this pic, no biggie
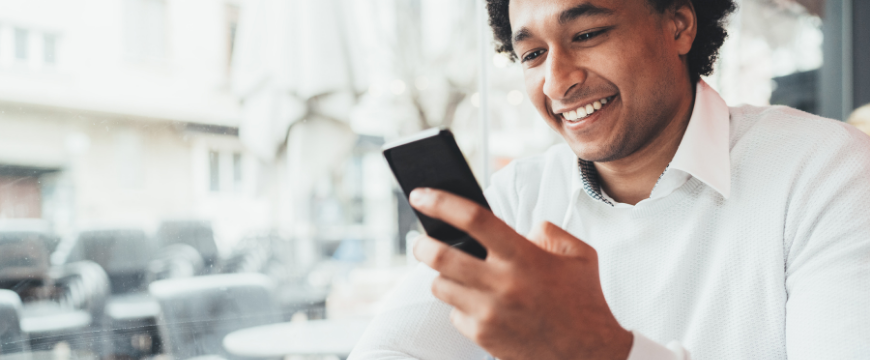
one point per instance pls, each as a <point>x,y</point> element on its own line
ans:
<point>788,136</point>
<point>810,164</point>
<point>791,127</point>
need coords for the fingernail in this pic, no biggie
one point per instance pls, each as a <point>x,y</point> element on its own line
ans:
<point>419,196</point>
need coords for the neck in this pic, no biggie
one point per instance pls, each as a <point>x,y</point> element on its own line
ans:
<point>632,178</point>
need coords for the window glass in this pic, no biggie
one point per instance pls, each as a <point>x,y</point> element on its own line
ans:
<point>152,211</point>
<point>773,55</point>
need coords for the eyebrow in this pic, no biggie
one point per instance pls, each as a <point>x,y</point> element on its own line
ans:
<point>522,34</point>
<point>585,9</point>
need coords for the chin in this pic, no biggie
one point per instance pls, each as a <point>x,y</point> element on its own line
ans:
<point>595,151</point>
<point>587,151</point>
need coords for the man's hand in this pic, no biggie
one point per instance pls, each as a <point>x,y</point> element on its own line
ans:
<point>535,298</point>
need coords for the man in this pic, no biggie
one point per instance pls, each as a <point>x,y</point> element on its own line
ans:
<point>670,226</point>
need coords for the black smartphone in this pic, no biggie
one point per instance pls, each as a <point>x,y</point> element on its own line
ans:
<point>432,159</point>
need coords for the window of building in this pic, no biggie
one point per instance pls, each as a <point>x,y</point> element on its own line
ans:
<point>145,29</point>
<point>49,49</point>
<point>237,170</point>
<point>232,24</point>
<point>129,155</point>
<point>214,173</point>
<point>21,45</point>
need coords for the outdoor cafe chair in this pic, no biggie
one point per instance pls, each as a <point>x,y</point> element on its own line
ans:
<point>12,339</point>
<point>197,313</point>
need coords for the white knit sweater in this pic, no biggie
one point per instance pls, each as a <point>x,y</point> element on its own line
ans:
<point>780,269</point>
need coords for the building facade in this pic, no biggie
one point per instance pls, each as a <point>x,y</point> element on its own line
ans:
<point>120,112</point>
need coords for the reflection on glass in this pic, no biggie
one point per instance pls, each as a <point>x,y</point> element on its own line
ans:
<point>185,170</point>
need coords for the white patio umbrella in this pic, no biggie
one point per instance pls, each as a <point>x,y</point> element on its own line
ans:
<point>293,70</point>
<point>292,61</point>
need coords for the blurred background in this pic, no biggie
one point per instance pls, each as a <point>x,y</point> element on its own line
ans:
<point>203,178</point>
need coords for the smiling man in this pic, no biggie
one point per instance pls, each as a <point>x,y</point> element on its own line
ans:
<point>669,226</point>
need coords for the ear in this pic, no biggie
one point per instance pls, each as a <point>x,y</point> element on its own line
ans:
<point>685,26</point>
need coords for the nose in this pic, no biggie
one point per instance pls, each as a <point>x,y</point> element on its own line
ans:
<point>562,74</point>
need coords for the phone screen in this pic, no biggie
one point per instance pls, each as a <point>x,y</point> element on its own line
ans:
<point>432,159</point>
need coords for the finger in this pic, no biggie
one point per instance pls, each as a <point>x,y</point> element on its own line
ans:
<point>496,236</point>
<point>467,299</point>
<point>465,324</point>
<point>557,241</point>
<point>452,263</point>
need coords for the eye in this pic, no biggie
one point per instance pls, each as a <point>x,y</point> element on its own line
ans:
<point>532,55</point>
<point>589,35</point>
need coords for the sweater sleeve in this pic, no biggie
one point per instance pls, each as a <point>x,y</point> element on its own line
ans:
<point>827,252</point>
<point>413,324</point>
<point>642,348</point>
<point>502,194</point>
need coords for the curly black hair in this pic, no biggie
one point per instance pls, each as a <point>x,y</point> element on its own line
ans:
<point>705,49</point>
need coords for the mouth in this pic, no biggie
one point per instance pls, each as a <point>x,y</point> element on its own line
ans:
<point>584,111</point>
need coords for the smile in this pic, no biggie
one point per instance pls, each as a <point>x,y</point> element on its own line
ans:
<point>586,110</point>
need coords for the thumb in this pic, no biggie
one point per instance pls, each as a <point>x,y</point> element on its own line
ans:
<point>553,239</point>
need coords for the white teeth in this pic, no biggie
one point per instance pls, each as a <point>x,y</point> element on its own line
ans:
<point>584,111</point>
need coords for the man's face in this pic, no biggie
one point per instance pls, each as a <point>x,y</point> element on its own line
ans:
<point>615,57</point>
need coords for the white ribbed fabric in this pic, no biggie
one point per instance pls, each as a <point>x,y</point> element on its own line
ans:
<point>780,269</point>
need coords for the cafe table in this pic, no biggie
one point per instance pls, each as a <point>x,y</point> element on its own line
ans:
<point>311,337</point>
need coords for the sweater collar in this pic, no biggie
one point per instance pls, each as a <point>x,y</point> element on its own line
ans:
<point>703,153</point>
